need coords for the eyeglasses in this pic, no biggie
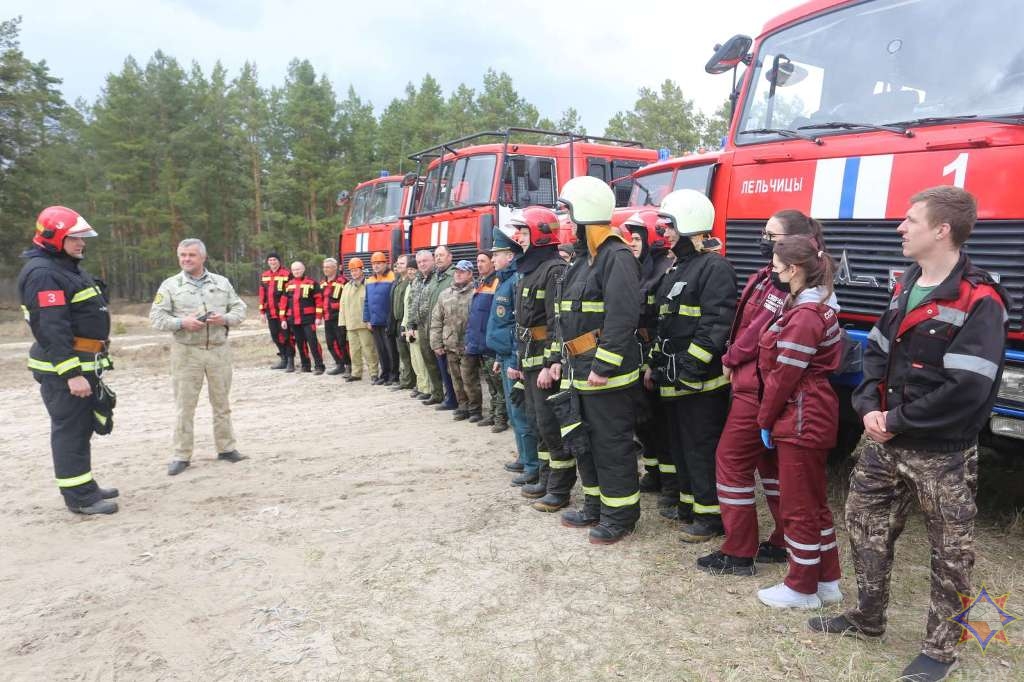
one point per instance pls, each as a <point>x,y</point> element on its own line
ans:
<point>772,236</point>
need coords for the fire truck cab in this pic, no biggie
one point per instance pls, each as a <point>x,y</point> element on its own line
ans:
<point>845,110</point>
<point>376,218</point>
<point>473,183</point>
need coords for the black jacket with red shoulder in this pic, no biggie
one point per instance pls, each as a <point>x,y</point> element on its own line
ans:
<point>330,295</point>
<point>301,302</point>
<point>936,369</point>
<point>272,283</point>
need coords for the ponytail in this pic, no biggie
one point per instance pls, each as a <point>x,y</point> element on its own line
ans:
<point>794,222</point>
<point>818,266</point>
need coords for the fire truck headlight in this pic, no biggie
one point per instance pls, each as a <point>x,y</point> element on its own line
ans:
<point>1011,386</point>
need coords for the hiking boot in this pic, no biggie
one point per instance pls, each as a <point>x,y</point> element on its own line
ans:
<point>98,507</point>
<point>839,625</point>
<point>336,370</point>
<point>176,467</point>
<point>499,427</point>
<point>701,529</point>
<point>460,415</point>
<point>924,668</point>
<point>398,387</point>
<point>351,377</point>
<point>829,592</point>
<point>782,596</point>
<point>475,417</point>
<point>607,534</point>
<point>718,563</point>
<point>281,364</point>
<point>525,478</point>
<point>443,407</point>
<point>431,400</point>
<point>514,465</point>
<point>489,421</point>
<point>580,518</point>
<point>551,503</point>
<point>233,456</point>
<point>767,553</point>
<point>650,482</point>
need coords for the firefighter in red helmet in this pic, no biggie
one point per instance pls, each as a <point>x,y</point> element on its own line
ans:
<point>540,268</point>
<point>66,310</point>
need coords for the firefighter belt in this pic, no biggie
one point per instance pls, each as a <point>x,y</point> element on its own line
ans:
<point>583,343</point>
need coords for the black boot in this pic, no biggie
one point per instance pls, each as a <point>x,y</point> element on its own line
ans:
<point>607,534</point>
<point>281,364</point>
<point>337,369</point>
<point>703,528</point>
<point>525,478</point>
<point>718,563</point>
<point>540,488</point>
<point>551,503</point>
<point>475,416</point>
<point>581,518</point>
<point>650,482</point>
<point>289,365</point>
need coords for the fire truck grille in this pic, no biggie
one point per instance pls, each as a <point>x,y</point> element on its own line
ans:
<point>868,254</point>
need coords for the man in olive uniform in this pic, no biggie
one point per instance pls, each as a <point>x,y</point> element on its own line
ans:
<point>66,310</point>
<point>199,307</point>
<point>599,309</point>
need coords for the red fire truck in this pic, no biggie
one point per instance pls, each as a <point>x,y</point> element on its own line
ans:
<point>473,183</point>
<point>846,109</point>
<point>376,218</point>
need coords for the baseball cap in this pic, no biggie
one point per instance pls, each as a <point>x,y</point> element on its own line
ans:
<point>464,265</point>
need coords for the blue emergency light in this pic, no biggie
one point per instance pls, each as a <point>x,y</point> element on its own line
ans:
<point>663,153</point>
<point>384,174</point>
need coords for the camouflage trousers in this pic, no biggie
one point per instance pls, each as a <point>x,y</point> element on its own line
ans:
<point>883,485</point>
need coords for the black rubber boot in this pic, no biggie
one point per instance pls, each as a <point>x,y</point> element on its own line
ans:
<point>650,482</point>
<point>551,503</point>
<point>98,507</point>
<point>605,534</point>
<point>281,364</point>
<point>337,369</point>
<point>703,528</point>
<point>540,488</point>
<point>289,365</point>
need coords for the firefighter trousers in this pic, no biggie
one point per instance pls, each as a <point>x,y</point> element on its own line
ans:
<point>360,344</point>
<point>431,365</point>
<point>281,337</point>
<point>652,430</point>
<point>696,422</point>
<point>190,366</point>
<point>883,484</point>
<point>337,344</point>
<point>406,375</point>
<point>562,468</point>
<point>308,344</point>
<point>609,465</point>
<point>388,362</point>
<point>71,424</point>
<point>522,426</point>
<point>809,533</point>
<point>740,453</point>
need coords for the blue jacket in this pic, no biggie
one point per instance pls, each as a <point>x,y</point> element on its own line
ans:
<point>501,324</point>
<point>479,313</point>
<point>377,308</point>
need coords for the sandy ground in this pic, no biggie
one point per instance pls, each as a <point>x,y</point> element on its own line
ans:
<point>369,537</point>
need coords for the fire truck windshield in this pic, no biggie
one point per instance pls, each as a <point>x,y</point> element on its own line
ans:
<point>886,62</point>
<point>649,190</point>
<point>380,203</point>
<point>459,182</point>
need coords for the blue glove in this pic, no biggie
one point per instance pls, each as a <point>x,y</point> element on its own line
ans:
<point>766,438</point>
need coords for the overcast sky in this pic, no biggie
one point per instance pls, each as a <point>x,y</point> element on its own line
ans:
<point>590,54</point>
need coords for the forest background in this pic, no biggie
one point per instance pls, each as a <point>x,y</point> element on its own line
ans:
<point>167,151</point>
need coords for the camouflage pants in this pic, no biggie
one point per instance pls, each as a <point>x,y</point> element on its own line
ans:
<point>882,486</point>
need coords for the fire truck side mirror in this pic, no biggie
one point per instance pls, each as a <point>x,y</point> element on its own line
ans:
<point>342,197</point>
<point>729,55</point>
<point>408,180</point>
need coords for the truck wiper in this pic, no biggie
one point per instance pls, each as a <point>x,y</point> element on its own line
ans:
<point>784,132</point>
<point>845,125</point>
<point>1009,119</point>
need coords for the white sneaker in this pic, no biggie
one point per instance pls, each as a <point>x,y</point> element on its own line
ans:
<point>782,597</point>
<point>829,592</point>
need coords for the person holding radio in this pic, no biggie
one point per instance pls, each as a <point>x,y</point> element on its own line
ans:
<point>199,308</point>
